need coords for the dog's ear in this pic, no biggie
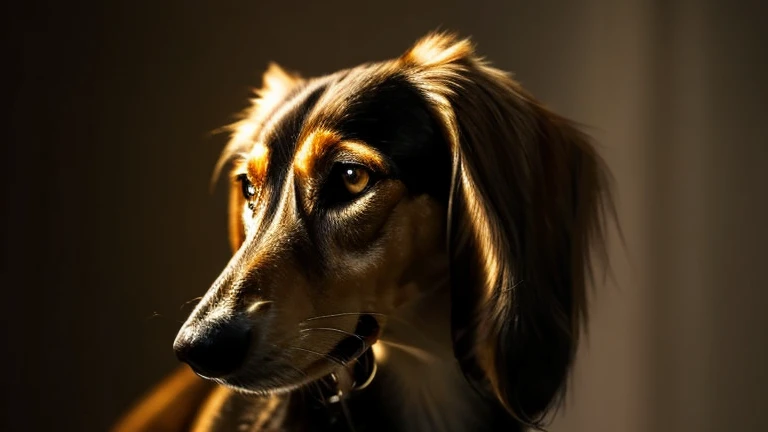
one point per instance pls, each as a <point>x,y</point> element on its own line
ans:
<point>277,84</point>
<point>528,199</point>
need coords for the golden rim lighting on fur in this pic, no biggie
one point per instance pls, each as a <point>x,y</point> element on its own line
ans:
<point>257,163</point>
<point>312,149</point>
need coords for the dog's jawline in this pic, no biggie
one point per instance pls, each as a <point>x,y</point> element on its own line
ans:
<point>405,393</point>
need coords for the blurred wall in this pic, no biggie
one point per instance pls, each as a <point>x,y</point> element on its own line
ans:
<point>108,226</point>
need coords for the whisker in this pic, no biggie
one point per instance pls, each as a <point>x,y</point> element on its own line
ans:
<point>412,350</point>
<point>360,338</point>
<point>154,315</point>
<point>343,314</point>
<point>324,356</point>
<point>391,318</point>
<point>196,299</point>
<point>158,315</point>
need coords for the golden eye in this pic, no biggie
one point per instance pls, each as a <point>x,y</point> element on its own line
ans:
<point>355,178</point>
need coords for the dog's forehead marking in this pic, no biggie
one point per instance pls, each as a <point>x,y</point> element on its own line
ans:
<point>312,148</point>
<point>258,159</point>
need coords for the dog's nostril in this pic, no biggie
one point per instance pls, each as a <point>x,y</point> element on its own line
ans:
<point>215,352</point>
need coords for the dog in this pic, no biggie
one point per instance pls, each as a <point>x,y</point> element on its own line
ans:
<point>413,244</point>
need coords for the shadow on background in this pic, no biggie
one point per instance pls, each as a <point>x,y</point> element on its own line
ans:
<point>109,228</point>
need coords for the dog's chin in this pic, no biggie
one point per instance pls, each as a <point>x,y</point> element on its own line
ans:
<point>275,380</point>
<point>262,379</point>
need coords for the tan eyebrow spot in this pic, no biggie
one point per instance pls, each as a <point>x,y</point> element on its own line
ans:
<point>312,148</point>
<point>257,161</point>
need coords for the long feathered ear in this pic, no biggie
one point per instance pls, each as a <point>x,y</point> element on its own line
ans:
<point>527,202</point>
<point>277,84</point>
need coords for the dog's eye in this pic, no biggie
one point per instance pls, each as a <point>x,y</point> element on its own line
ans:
<point>249,190</point>
<point>347,181</point>
<point>355,177</point>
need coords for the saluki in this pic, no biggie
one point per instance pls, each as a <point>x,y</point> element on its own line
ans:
<point>412,252</point>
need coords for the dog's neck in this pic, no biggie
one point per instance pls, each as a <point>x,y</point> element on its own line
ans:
<point>419,385</point>
<point>420,374</point>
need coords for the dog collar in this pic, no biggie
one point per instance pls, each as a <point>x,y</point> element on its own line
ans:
<point>354,377</point>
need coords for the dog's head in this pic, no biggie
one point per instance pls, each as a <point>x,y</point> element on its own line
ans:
<point>352,193</point>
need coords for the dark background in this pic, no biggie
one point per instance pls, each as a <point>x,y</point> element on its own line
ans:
<point>109,226</point>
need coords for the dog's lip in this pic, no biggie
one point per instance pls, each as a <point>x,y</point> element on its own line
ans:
<point>347,352</point>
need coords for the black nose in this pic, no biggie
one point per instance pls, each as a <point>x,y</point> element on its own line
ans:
<point>216,350</point>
